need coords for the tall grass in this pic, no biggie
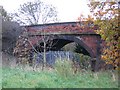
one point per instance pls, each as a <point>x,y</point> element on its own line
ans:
<point>19,78</point>
<point>0,78</point>
<point>62,76</point>
<point>64,68</point>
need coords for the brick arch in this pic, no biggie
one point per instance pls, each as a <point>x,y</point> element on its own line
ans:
<point>83,34</point>
<point>73,39</point>
<point>80,42</point>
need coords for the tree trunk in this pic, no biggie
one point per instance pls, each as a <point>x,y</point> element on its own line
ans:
<point>44,56</point>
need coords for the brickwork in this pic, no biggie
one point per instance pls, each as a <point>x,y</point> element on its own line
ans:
<point>74,31</point>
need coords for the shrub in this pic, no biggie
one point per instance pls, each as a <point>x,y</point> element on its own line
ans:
<point>64,67</point>
<point>83,60</point>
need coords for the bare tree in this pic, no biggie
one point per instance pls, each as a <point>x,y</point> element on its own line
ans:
<point>36,12</point>
<point>45,44</point>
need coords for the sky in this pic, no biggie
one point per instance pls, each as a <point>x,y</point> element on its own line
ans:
<point>68,10</point>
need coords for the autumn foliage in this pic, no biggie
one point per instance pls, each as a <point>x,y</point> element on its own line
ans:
<point>106,15</point>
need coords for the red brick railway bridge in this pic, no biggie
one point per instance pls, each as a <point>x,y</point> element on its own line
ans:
<point>81,33</point>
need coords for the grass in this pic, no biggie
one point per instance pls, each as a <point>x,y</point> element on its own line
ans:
<point>0,78</point>
<point>18,78</point>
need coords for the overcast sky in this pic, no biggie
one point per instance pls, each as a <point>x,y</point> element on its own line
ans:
<point>68,10</point>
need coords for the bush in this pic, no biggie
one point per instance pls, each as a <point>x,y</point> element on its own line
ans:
<point>83,60</point>
<point>76,60</point>
<point>64,67</point>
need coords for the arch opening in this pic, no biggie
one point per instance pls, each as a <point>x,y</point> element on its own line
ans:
<point>58,44</point>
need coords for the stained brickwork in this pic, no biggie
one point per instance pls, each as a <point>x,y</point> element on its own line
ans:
<point>83,34</point>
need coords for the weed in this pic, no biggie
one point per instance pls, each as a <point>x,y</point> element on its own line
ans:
<point>64,68</point>
<point>17,78</point>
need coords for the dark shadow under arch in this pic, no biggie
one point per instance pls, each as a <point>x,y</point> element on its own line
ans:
<point>68,39</point>
<point>80,42</point>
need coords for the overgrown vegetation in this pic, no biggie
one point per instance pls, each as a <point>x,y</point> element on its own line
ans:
<point>63,75</point>
<point>107,17</point>
<point>0,78</point>
<point>84,61</point>
<point>18,78</point>
<point>64,68</point>
<point>68,68</point>
<point>73,73</point>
